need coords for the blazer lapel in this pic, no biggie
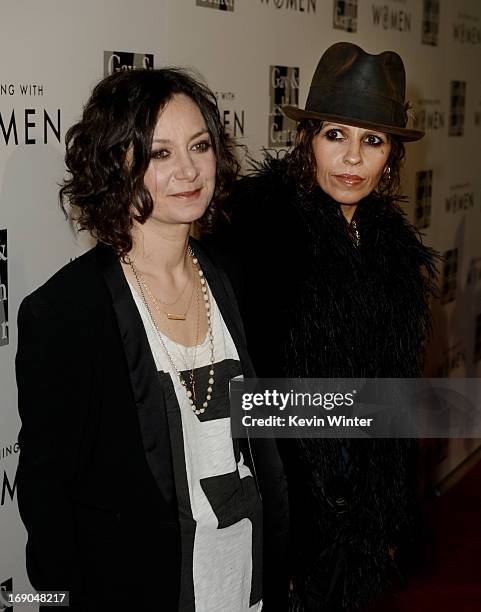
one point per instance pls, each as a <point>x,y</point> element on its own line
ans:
<point>144,378</point>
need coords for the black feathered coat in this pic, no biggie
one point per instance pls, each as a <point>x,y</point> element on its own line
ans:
<point>316,305</point>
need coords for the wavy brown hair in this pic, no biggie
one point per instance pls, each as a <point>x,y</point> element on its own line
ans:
<point>104,194</point>
<point>302,163</point>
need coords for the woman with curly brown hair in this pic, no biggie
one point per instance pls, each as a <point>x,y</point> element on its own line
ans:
<point>130,486</point>
<point>335,283</point>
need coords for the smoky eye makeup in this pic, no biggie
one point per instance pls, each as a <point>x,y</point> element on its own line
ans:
<point>161,153</point>
<point>333,133</point>
<point>374,140</point>
<point>202,146</point>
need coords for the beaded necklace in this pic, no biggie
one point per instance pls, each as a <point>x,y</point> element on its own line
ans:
<point>191,395</point>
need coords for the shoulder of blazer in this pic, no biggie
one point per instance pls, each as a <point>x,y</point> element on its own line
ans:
<point>76,290</point>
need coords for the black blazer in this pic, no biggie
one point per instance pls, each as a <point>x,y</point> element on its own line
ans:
<point>95,482</point>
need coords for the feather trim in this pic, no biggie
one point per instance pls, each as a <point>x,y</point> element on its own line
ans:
<point>345,311</point>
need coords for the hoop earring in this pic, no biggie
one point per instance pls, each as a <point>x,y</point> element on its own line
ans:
<point>387,171</point>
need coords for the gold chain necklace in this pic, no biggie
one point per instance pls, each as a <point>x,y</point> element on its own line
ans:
<point>170,315</point>
<point>160,301</point>
<point>179,351</point>
<point>190,392</point>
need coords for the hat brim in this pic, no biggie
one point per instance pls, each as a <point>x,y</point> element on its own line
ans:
<point>405,134</point>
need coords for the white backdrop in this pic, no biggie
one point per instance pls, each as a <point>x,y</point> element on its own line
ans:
<point>256,54</point>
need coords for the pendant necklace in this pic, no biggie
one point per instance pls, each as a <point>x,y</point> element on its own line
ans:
<point>188,387</point>
<point>172,316</point>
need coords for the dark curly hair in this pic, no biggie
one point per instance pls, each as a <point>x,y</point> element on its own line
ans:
<point>104,192</point>
<point>301,163</point>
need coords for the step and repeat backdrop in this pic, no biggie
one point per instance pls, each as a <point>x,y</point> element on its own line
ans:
<point>256,55</point>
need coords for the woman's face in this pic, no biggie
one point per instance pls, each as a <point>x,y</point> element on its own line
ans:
<point>182,170</point>
<point>350,160</point>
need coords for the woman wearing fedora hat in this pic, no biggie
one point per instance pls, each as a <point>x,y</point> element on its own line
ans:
<point>335,283</point>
